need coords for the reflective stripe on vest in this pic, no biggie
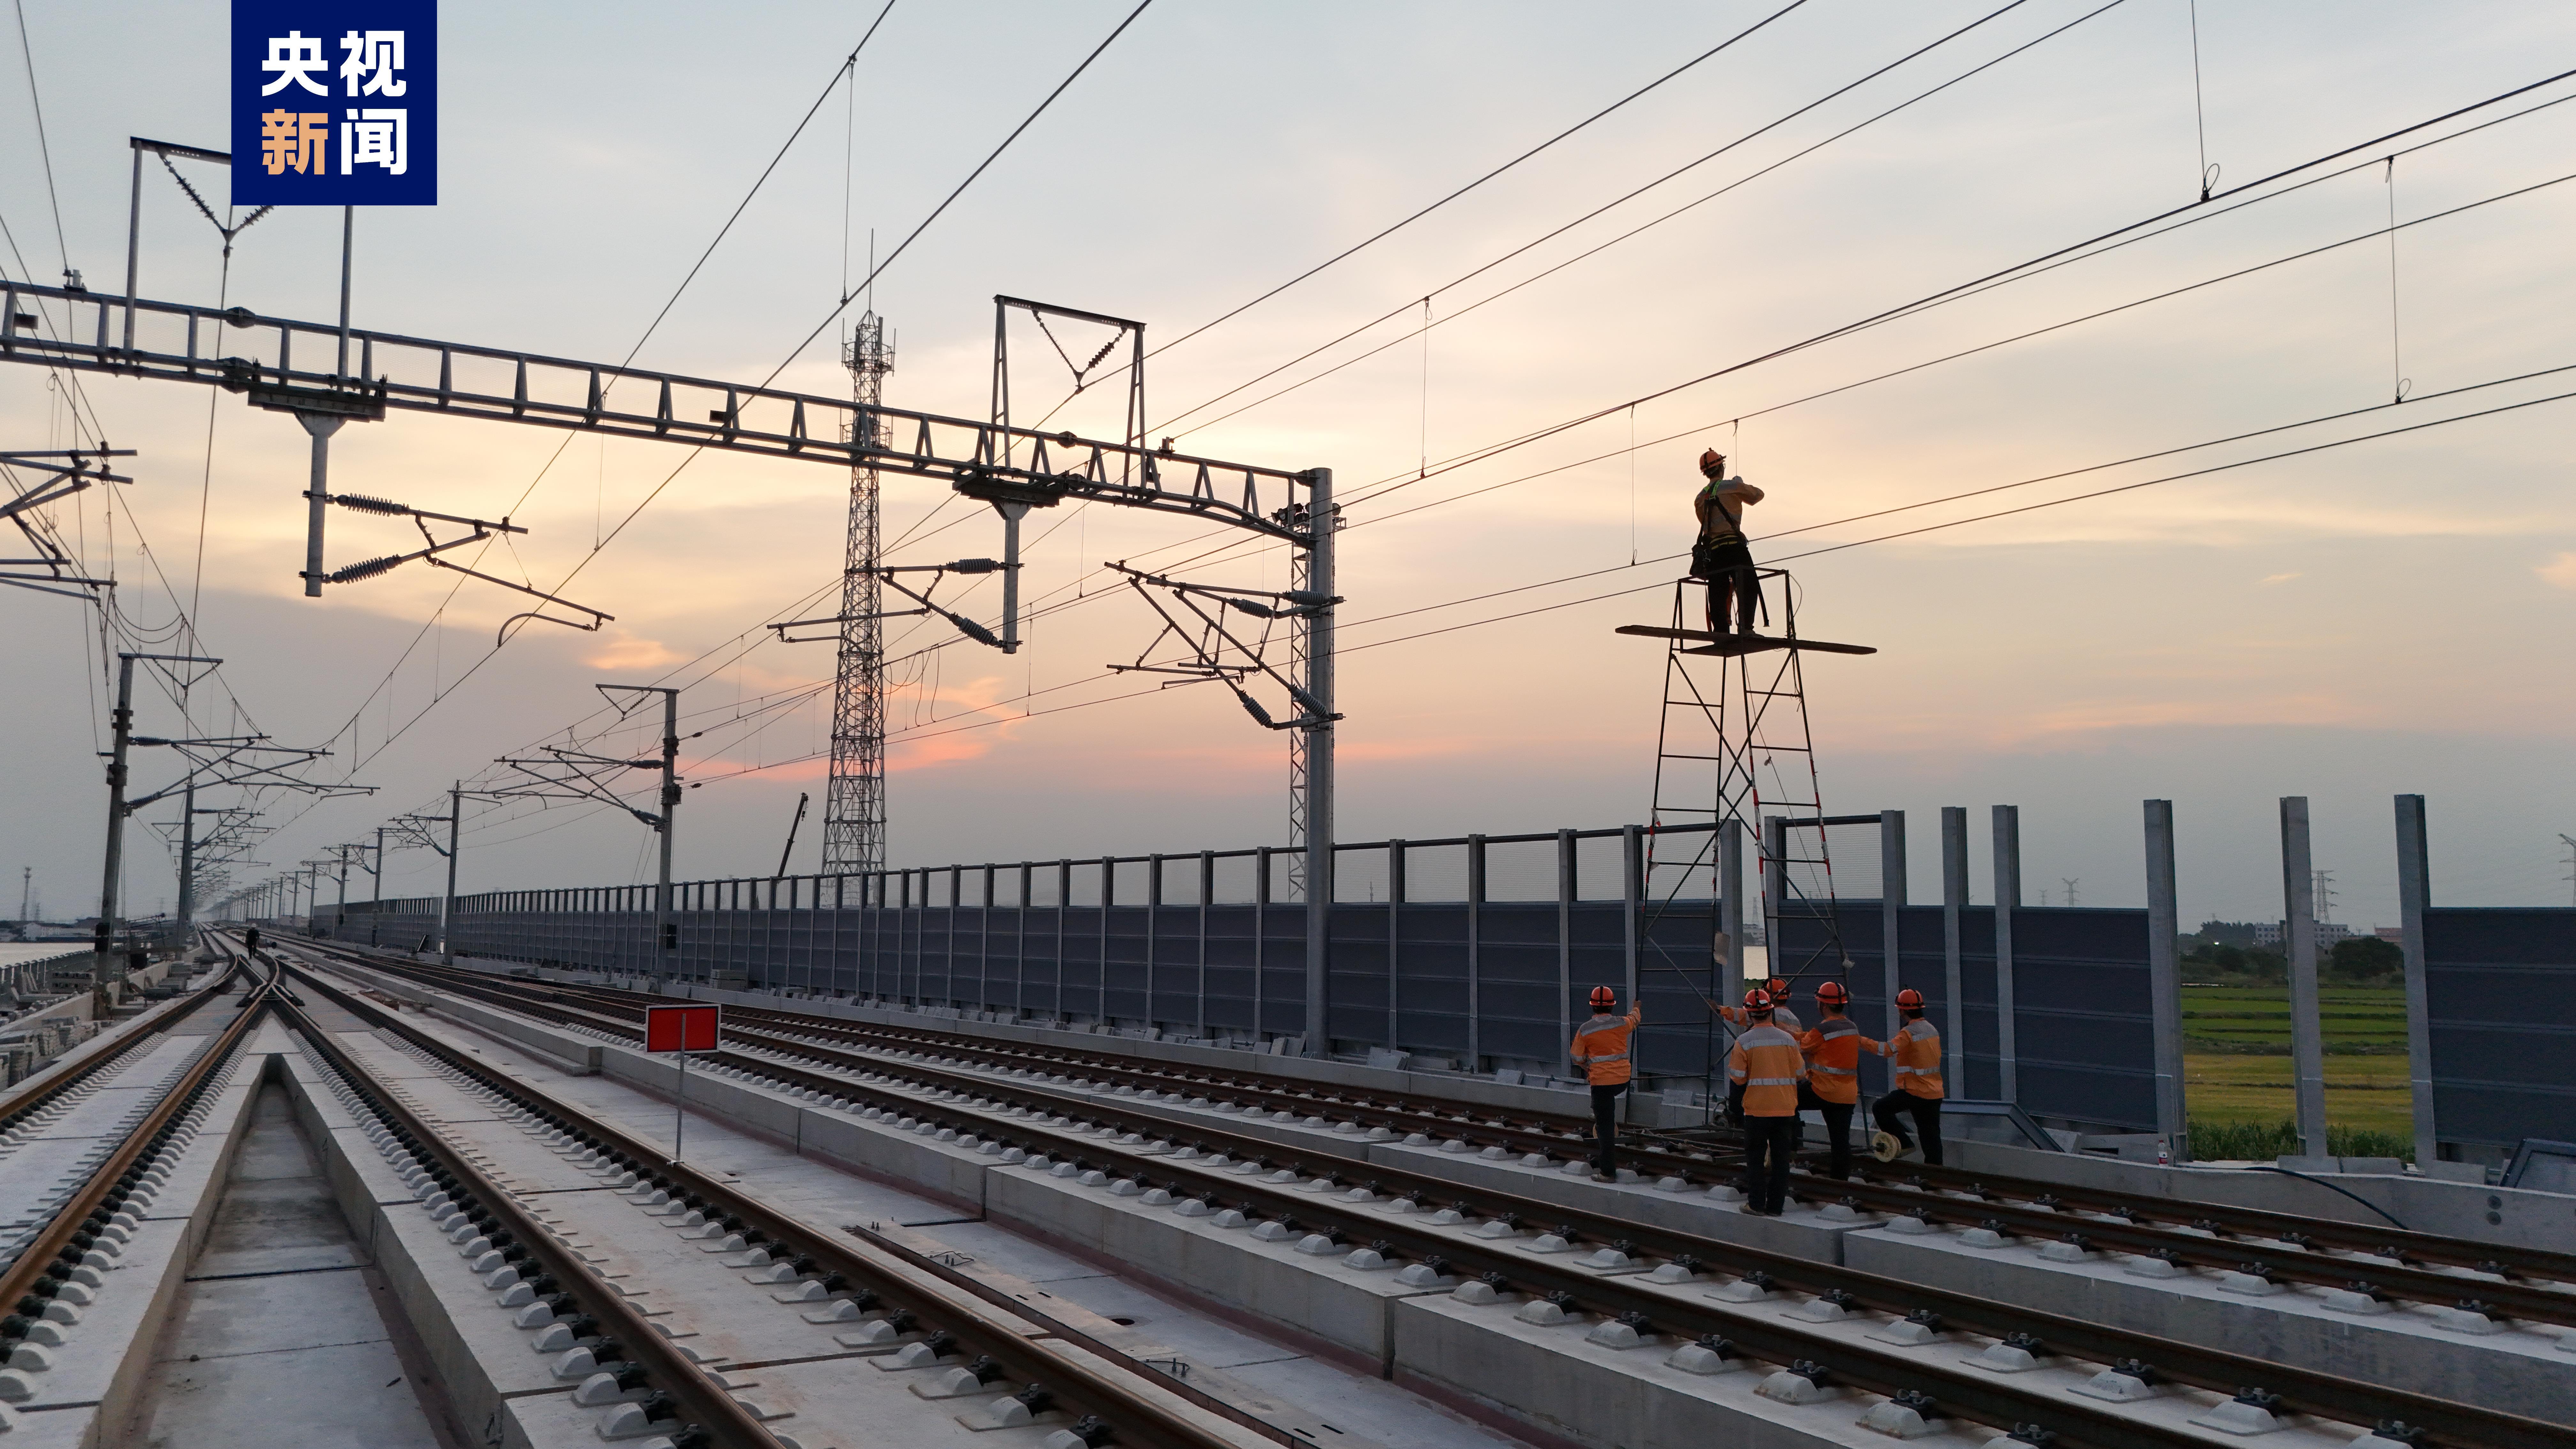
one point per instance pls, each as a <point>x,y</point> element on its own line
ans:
<point>1770,1081</point>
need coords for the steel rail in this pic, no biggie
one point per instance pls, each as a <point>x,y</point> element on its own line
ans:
<point>2186,1233</point>
<point>2413,1418</point>
<point>1518,1129</point>
<point>17,1111</point>
<point>29,1281</point>
<point>1118,1412</point>
<point>709,1415</point>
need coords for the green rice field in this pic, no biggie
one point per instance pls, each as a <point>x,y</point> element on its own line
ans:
<point>2237,1056</point>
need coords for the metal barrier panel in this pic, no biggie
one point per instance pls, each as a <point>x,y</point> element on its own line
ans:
<point>1360,979</point>
<point>1431,944</point>
<point>1523,969</point>
<point>2085,1036</point>
<point>2501,983</point>
<point>1676,983</point>
<point>1231,932</point>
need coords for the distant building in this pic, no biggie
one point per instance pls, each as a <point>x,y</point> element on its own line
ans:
<point>2393,935</point>
<point>2268,933</point>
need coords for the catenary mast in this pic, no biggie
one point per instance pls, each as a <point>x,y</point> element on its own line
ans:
<point>854,812</point>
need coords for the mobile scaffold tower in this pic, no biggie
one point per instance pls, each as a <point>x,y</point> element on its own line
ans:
<point>1736,748</point>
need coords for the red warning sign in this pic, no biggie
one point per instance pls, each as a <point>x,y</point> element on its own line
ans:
<point>682,1028</point>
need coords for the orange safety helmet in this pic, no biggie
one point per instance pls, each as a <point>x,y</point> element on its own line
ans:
<point>1778,986</point>
<point>1712,463</point>
<point>1909,1000</point>
<point>1603,998</point>
<point>1757,1002</point>
<point>1833,993</point>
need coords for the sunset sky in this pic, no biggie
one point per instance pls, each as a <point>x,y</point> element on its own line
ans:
<point>2393,615</point>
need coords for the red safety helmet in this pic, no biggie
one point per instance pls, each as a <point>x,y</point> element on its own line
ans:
<point>1909,1000</point>
<point>1603,998</point>
<point>1757,1002</point>
<point>1712,463</point>
<point>1833,993</point>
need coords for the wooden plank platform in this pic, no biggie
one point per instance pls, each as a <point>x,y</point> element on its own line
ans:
<point>1741,643</point>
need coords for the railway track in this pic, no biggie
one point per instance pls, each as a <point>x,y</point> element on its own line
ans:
<point>2366,1264</point>
<point>1021,1365</point>
<point>111,1129</point>
<point>1639,1280</point>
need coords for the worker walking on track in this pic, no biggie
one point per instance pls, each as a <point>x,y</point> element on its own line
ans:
<point>1768,1067</point>
<point>1721,556</point>
<point>1833,1047</point>
<point>1917,1050</point>
<point>1601,1049</point>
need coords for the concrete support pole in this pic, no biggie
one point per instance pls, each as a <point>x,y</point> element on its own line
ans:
<point>1207,898</point>
<point>1632,894</point>
<point>2299,939</point>
<point>1954,901</point>
<point>1730,905</point>
<point>666,931</point>
<point>1475,952</point>
<point>447,902</point>
<point>1891,906</point>
<point>133,242</point>
<point>2414,896</point>
<point>1775,891</point>
<point>1260,946</point>
<point>317,495</point>
<point>1565,935</point>
<point>2164,979</point>
<point>187,859</point>
<point>102,972</point>
<point>2007,901</point>
<point>1394,940</point>
<point>1319,761</point>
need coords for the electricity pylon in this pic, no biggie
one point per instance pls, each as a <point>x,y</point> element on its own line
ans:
<point>854,807</point>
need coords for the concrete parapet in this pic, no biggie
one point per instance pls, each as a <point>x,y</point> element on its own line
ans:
<point>2515,1216</point>
<point>2403,1346</point>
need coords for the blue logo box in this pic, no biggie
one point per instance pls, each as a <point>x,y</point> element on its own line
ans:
<point>335,104</point>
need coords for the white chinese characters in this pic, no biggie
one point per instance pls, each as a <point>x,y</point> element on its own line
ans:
<point>374,57</point>
<point>376,138</point>
<point>294,57</point>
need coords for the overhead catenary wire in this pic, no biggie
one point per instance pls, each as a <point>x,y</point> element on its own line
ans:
<point>1950,293</point>
<point>1633,193</point>
<point>1357,247</point>
<point>2130,237</point>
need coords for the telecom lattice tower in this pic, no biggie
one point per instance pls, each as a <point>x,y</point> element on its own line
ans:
<point>854,809</point>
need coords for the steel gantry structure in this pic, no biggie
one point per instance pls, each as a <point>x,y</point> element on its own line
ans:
<point>328,374</point>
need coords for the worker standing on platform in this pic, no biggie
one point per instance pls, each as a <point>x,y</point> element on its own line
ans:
<point>1601,1049</point>
<point>1917,1050</point>
<point>1767,1065</point>
<point>1833,1047</point>
<point>1721,556</point>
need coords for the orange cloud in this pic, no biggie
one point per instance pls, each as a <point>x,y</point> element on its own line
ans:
<point>631,652</point>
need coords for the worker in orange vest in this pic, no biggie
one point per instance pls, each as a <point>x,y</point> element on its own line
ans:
<point>1917,1050</point>
<point>1833,1047</point>
<point>1777,991</point>
<point>1601,1050</point>
<point>1768,1066</point>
